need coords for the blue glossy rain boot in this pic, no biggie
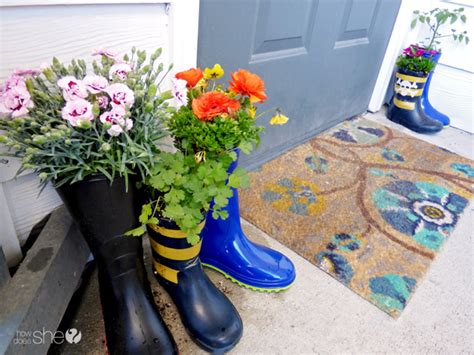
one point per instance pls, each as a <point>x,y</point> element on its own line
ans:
<point>426,106</point>
<point>225,248</point>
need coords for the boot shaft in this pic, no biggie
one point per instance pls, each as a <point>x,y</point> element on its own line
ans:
<point>408,89</point>
<point>171,251</point>
<point>101,209</point>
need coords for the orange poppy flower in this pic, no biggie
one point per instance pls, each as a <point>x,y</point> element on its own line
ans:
<point>212,104</point>
<point>248,84</point>
<point>192,76</point>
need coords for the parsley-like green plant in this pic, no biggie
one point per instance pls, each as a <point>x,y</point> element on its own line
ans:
<point>213,137</point>
<point>182,189</point>
<point>67,122</point>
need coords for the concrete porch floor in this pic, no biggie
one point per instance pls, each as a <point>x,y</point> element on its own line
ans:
<point>319,314</point>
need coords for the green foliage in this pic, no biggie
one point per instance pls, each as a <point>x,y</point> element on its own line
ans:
<point>182,190</point>
<point>417,64</point>
<point>61,153</point>
<point>213,137</point>
<point>437,18</point>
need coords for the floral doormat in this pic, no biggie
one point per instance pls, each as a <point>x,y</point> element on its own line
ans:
<point>367,204</point>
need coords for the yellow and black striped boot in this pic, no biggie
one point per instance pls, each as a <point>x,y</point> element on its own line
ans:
<point>207,314</point>
<point>405,108</point>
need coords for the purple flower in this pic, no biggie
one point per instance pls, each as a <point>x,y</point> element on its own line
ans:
<point>120,70</point>
<point>77,112</point>
<point>120,94</point>
<point>103,101</point>
<point>105,53</point>
<point>179,91</point>
<point>15,102</point>
<point>72,88</point>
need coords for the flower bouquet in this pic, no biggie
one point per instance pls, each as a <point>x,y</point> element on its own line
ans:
<point>89,133</point>
<point>66,123</point>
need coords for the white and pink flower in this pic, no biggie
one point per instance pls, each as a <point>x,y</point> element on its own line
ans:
<point>117,121</point>
<point>73,88</point>
<point>13,81</point>
<point>95,83</point>
<point>180,92</point>
<point>120,70</point>
<point>15,101</point>
<point>103,101</point>
<point>77,112</point>
<point>120,94</point>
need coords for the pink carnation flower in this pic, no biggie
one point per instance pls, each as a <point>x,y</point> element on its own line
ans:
<point>72,88</point>
<point>103,101</point>
<point>116,119</point>
<point>77,112</point>
<point>120,94</point>
<point>120,70</point>
<point>15,102</point>
<point>105,52</point>
<point>95,83</point>
<point>13,81</point>
<point>179,91</point>
<point>23,72</point>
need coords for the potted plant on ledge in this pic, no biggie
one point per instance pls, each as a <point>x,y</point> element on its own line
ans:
<point>93,135</point>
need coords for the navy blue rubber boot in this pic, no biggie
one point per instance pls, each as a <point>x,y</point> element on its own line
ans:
<point>426,106</point>
<point>207,314</point>
<point>226,248</point>
<point>405,106</point>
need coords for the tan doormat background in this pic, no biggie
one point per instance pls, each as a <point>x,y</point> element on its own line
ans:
<point>367,204</point>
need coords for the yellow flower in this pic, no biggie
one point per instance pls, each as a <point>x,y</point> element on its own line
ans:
<point>200,156</point>
<point>278,119</point>
<point>213,73</point>
<point>252,111</point>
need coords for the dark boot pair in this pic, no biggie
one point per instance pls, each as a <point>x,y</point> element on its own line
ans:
<point>405,107</point>
<point>133,324</point>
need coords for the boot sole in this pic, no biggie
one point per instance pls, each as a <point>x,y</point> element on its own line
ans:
<point>249,287</point>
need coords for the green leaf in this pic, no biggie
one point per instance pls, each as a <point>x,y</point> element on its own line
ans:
<point>246,147</point>
<point>146,213</point>
<point>136,232</point>
<point>413,23</point>
<point>463,18</point>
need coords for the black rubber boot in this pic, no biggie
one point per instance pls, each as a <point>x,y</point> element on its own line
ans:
<point>104,212</point>
<point>405,108</point>
<point>207,314</point>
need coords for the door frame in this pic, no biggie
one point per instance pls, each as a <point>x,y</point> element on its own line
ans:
<point>400,32</point>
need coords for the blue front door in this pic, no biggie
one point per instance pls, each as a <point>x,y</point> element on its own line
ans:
<point>319,58</point>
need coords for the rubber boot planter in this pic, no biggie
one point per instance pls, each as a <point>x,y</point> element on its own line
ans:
<point>104,212</point>
<point>207,314</point>
<point>405,107</point>
<point>428,109</point>
<point>227,250</point>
